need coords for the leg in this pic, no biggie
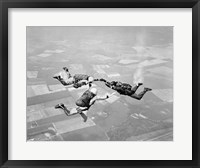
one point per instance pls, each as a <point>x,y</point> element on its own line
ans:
<point>67,72</point>
<point>83,112</point>
<point>60,79</point>
<point>65,69</point>
<point>141,94</point>
<point>56,77</point>
<point>133,89</point>
<point>83,116</point>
<point>62,106</point>
<point>80,110</point>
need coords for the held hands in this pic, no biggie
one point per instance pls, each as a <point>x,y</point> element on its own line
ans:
<point>88,83</point>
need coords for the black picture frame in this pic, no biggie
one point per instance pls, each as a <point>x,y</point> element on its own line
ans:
<point>6,4</point>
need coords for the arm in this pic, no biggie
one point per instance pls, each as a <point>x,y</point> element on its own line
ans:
<point>80,83</point>
<point>103,80</point>
<point>102,98</point>
<point>108,84</point>
<point>98,98</point>
<point>84,82</point>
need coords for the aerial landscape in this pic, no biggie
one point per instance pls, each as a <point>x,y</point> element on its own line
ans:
<point>128,54</point>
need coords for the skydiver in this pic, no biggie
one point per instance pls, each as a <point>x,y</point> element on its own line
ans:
<point>126,89</point>
<point>76,80</point>
<point>88,98</point>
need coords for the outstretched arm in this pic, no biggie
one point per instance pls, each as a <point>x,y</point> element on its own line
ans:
<point>102,80</point>
<point>102,98</point>
<point>98,98</point>
<point>108,84</point>
<point>80,83</point>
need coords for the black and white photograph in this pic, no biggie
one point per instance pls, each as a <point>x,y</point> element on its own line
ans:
<point>99,83</point>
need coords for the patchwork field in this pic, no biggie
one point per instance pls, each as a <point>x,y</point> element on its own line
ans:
<point>112,55</point>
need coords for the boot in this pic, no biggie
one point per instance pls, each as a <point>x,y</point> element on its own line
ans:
<point>65,69</point>
<point>139,84</point>
<point>147,89</point>
<point>57,77</point>
<point>60,106</point>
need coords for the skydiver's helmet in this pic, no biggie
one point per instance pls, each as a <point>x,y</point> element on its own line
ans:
<point>90,79</point>
<point>94,91</point>
<point>66,69</point>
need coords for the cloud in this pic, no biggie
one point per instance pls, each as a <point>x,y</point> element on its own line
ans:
<point>138,75</point>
